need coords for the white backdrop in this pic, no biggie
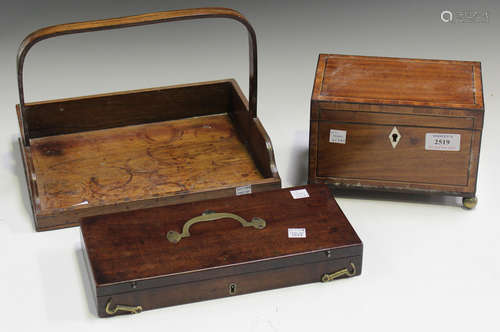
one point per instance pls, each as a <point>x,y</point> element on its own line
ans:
<point>428,264</point>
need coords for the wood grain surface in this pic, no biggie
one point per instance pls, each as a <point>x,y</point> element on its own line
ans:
<point>125,108</point>
<point>380,80</point>
<point>139,162</point>
<point>368,154</point>
<point>86,161</point>
<point>219,287</point>
<point>132,262</point>
<point>133,245</point>
<point>62,200</point>
<point>368,96</point>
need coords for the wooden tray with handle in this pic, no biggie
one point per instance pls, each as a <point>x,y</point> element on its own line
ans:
<point>107,153</point>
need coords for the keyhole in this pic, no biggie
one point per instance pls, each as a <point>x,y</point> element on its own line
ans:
<point>394,137</point>
<point>232,289</point>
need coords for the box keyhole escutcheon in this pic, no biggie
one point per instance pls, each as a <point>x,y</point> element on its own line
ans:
<point>232,288</point>
<point>394,137</point>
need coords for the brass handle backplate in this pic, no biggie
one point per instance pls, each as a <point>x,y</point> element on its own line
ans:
<point>175,237</point>
<point>344,272</point>
<point>120,307</point>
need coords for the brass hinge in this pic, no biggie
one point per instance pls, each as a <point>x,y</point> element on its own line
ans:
<point>344,272</point>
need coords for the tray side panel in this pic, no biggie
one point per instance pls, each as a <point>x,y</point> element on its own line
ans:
<point>30,176</point>
<point>252,132</point>
<point>127,108</point>
<point>71,218</point>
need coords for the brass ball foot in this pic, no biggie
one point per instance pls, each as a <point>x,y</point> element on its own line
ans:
<point>469,203</point>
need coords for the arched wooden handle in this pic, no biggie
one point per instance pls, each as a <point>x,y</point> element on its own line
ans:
<point>175,237</point>
<point>137,20</point>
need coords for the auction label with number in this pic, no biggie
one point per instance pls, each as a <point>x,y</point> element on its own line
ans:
<point>442,142</point>
<point>244,190</point>
<point>337,136</point>
<point>296,233</point>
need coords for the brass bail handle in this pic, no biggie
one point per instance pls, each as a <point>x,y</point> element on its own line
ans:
<point>175,237</point>
<point>120,307</point>
<point>344,272</point>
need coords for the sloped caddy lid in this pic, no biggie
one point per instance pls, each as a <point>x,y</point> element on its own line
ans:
<point>399,81</point>
<point>133,246</point>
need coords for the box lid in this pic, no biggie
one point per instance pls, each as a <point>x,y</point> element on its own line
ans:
<point>132,247</point>
<point>399,81</point>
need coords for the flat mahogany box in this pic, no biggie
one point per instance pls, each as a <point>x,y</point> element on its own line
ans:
<point>404,125</point>
<point>163,256</point>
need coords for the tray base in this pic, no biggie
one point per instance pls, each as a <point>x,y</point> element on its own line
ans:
<point>139,162</point>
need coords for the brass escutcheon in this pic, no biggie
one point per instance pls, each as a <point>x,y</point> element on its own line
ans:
<point>175,237</point>
<point>344,272</point>
<point>232,288</point>
<point>394,137</point>
<point>119,307</point>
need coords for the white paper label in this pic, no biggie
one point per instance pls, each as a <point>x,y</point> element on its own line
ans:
<point>244,190</point>
<point>296,233</point>
<point>300,193</point>
<point>337,136</point>
<point>442,142</point>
